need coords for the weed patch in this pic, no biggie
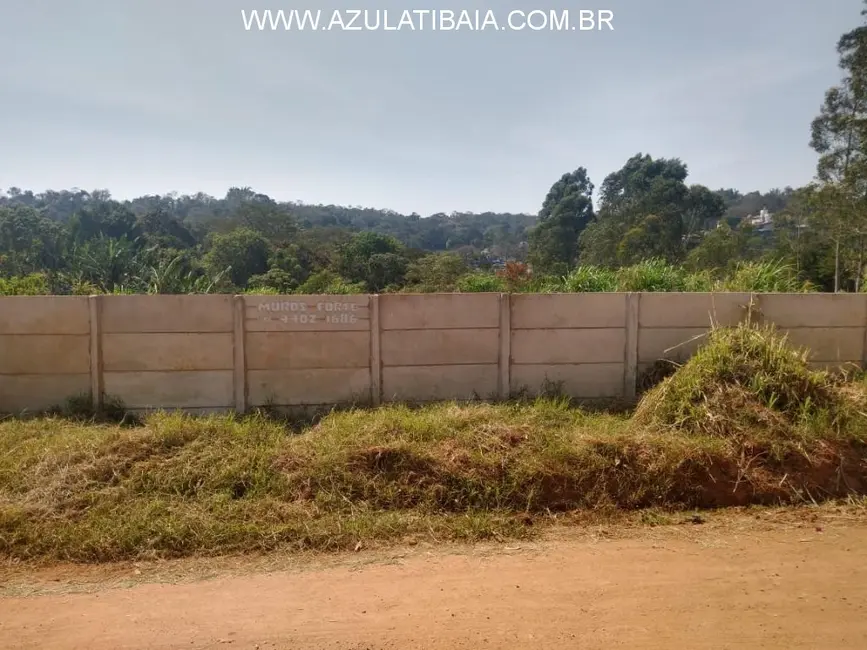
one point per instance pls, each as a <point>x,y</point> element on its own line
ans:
<point>745,421</point>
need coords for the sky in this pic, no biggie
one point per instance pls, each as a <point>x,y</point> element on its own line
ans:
<point>155,96</point>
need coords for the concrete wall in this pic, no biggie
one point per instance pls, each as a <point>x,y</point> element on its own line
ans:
<point>44,351</point>
<point>167,351</point>
<point>440,347</point>
<point>215,352</point>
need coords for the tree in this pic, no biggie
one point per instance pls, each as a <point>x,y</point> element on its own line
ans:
<point>642,210</point>
<point>702,212</point>
<point>29,242</point>
<point>243,252</point>
<point>436,272</point>
<point>159,228</point>
<point>384,271</point>
<point>354,259</point>
<point>721,248</point>
<point>839,136</point>
<point>566,212</point>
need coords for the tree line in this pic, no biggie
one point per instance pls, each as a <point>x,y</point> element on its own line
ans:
<point>647,228</point>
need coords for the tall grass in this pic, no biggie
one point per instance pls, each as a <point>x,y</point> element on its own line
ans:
<point>765,277</point>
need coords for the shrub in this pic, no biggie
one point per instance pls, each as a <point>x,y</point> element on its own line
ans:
<point>480,282</point>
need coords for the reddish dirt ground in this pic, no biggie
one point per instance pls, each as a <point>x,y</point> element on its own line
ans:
<point>749,585</point>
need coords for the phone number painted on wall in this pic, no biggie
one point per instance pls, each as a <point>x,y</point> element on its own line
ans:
<point>304,314</point>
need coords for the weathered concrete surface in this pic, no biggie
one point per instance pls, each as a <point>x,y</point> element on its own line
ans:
<point>813,309</point>
<point>39,392</point>
<point>222,352</point>
<point>294,350</point>
<point>433,383</point>
<point>681,310</point>
<point>309,387</point>
<point>173,389</point>
<point>142,314</point>
<point>566,311</point>
<point>586,380</point>
<point>143,352</point>
<point>439,311</point>
<point>561,346</point>
<point>43,354</point>
<point>44,315</point>
<point>439,347</point>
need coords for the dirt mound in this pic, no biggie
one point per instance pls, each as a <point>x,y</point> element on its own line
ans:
<point>748,381</point>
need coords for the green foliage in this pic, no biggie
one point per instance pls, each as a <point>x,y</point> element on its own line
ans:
<point>589,279</point>
<point>240,254</point>
<point>35,284</point>
<point>765,277</point>
<point>566,212</point>
<point>329,283</point>
<point>436,272</point>
<point>658,275</point>
<point>481,282</point>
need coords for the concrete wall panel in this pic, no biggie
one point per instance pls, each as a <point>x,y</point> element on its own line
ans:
<point>145,352</point>
<point>307,313</point>
<point>562,346</point>
<point>584,381</point>
<point>598,310</point>
<point>39,392</point>
<point>44,355</point>
<point>439,311</point>
<point>680,310</point>
<point>837,344</point>
<point>439,347</point>
<point>44,315</point>
<point>676,344</point>
<point>309,387</point>
<point>163,313</point>
<point>171,390</point>
<point>814,310</point>
<point>432,383</point>
<point>306,350</point>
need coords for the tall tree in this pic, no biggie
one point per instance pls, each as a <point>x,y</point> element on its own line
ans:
<point>566,212</point>
<point>642,213</point>
<point>839,136</point>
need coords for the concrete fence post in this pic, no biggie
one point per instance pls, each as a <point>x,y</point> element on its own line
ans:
<point>375,352</point>
<point>630,359</point>
<point>239,366</point>
<point>504,381</point>
<point>97,387</point>
<point>864,344</point>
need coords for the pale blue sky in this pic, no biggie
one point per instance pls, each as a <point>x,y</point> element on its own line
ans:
<point>155,96</point>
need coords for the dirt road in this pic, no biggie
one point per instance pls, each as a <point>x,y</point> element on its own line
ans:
<point>665,588</point>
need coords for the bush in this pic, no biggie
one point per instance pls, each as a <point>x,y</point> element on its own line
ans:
<point>480,282</point>
<point>35,284</point>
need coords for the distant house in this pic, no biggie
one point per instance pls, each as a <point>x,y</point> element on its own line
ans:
<point>762,222</point>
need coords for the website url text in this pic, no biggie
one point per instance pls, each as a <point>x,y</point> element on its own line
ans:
<point>356,20</point>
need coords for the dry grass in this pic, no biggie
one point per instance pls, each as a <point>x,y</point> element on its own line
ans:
<point>744,422</point>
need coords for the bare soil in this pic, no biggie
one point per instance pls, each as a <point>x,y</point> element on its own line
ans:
<point>777,580</point>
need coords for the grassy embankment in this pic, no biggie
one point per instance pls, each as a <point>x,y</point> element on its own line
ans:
<point>744,422</point>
